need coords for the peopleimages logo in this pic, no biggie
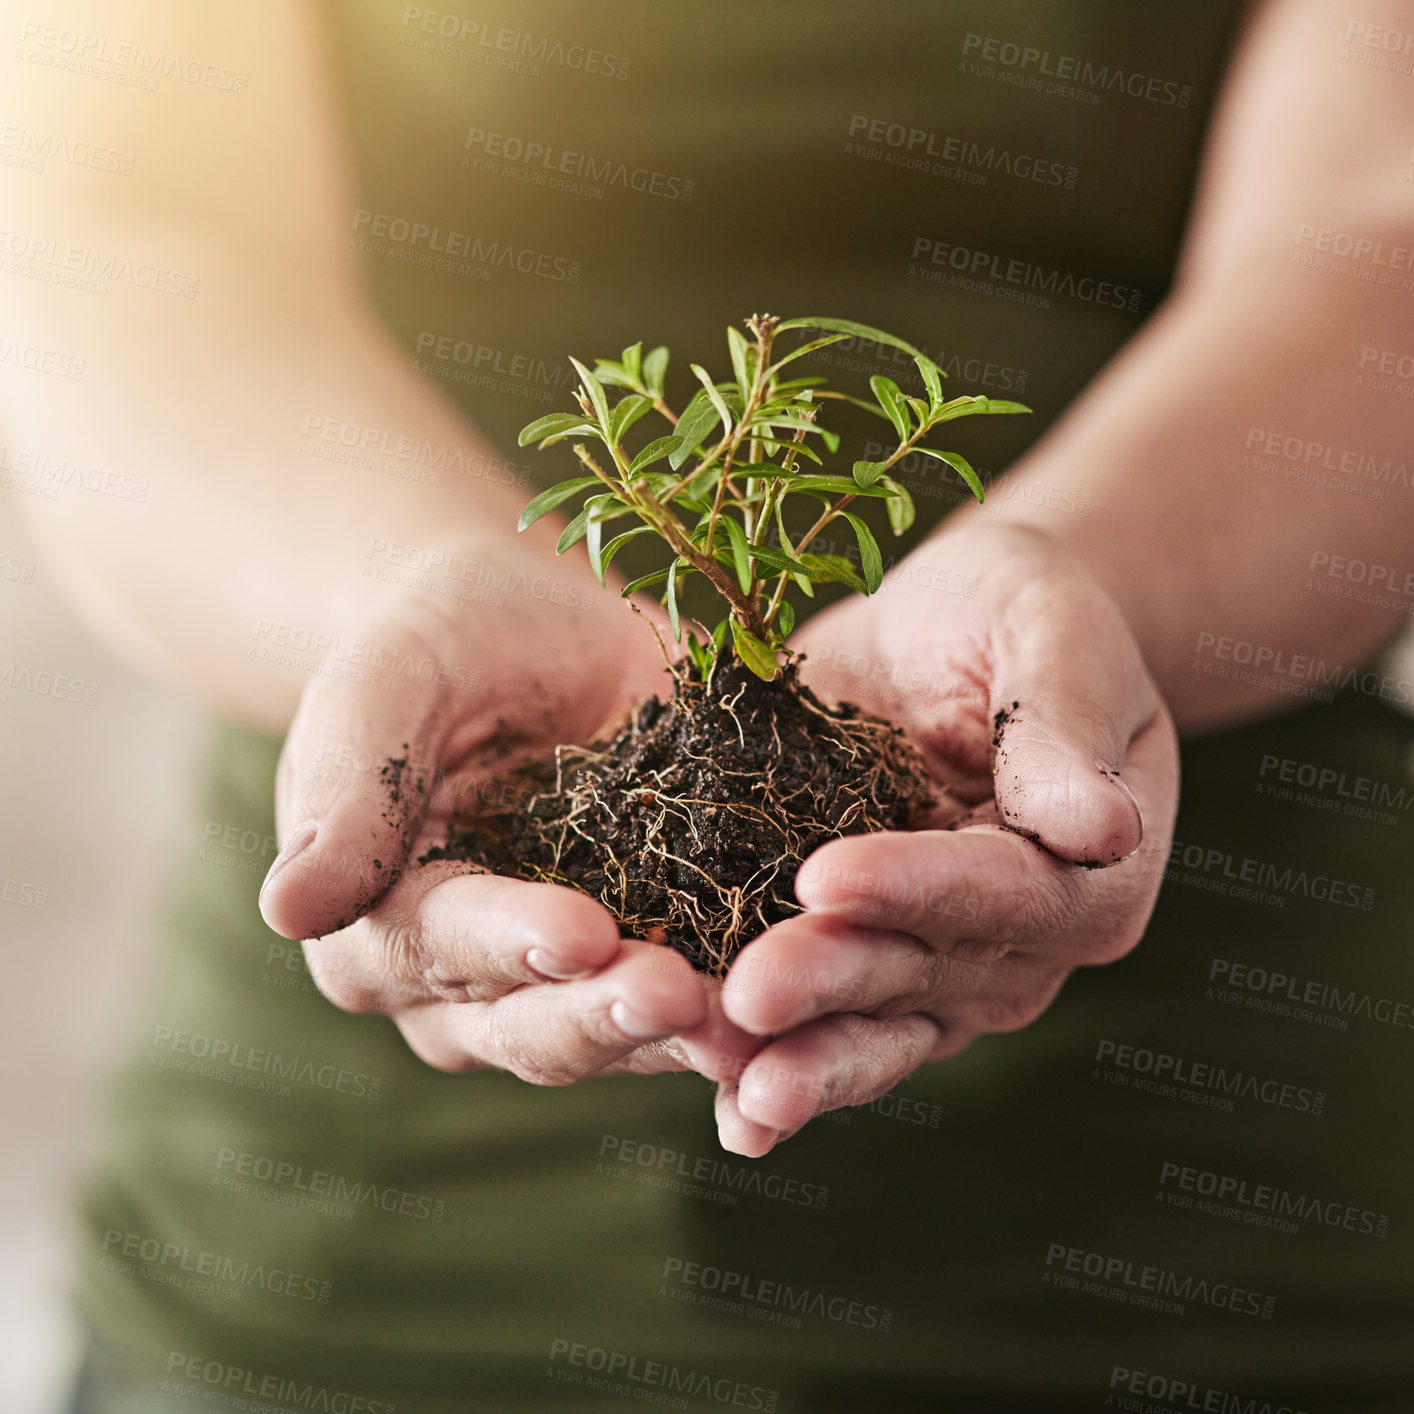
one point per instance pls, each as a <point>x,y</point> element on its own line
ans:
<point>1184,1394</point>
<point>560,169</point>
<point>1265,1204</point>
<point>1143,1285</point>
<point>1269,990</point>
<point>633,1376</point>
<point>1032,65</point>
<point>213,1380</point>
<point>715,1179</point>
<point>1014,278</point>
<point>1162,1073</point>
<point>1228,873</point>
<point>460,252</point>
<point>766,1299</point>
<point>922,150</point>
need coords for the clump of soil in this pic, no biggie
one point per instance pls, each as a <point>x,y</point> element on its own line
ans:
<point>691,823</point>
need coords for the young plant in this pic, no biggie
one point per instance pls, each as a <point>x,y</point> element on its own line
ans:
<point>734,456</point>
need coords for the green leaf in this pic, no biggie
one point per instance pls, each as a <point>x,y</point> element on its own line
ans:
<point>834,485</point>
<point>832,569</point>
<point>595,390</point>
<point>557,425</point>
<point>609,507</point>
<point>774,560</point>
<point>594,530</point>
<point>899,505</point>
<point>932,378</point>
<point>632,358</point>
<point>710,388</point>
<point>741,352</point>
<point>960,465</point>
<point>756,654</point>
<point>804,584</point>
<point>614,374</point>
<point>808,349</point>
<point>655,370</point>
<point>643,582</point>
<point>697,653</point>
<point>890,397</point>
<point>870,560</point>
<point>574,532</point>
<point>547,500</point>
<point>786,545</point>
<point>655,451</point>
<point>793,421</point>
<point>867,473</point>
<point>785,617</point>
<point>849,328</point>
<point>672,599</point>
<point>626,412</point>
<point>741,551</point>
<point>619,541</point>
<point>970,406</point>
<point>773,447</point>
<point>698,416</point>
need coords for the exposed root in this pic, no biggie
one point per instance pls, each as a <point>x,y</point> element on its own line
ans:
<point>691,823</point>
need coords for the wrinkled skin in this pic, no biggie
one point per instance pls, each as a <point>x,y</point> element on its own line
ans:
<point>913,944</point>
<point>910,944</point>
<point>477,971</point>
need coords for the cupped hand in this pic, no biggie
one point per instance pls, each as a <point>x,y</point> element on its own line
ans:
<point>1053,758</point>
<point>476,970</point>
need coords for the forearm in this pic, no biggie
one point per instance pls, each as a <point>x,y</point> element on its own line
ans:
<point>1203,533</point>
<point>243,519</point>
<point>228,414</point>
<point>1233,454</point>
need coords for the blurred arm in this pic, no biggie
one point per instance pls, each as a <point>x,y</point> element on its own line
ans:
<point>1253,364</point>
<point>208,399</point>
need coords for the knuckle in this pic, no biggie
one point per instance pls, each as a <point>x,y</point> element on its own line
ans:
<point>534,1064</point>
<point>338,977</point>
<point>355,997</point>
<point>549,1074</point>
<point>436,1049</point>
<point>1017,1010</point>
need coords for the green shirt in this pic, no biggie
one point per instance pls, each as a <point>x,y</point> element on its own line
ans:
<point>291,1210</point>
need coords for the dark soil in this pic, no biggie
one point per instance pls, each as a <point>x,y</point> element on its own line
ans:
<point>691,823</point>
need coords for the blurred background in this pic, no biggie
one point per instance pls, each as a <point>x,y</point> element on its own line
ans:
<point>93,797</point>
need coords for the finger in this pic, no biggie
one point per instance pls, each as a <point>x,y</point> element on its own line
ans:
<point>968,892</point>
<point>834,1062</point>
<point>1069,695</point>
<point>489,934</point>
<point>736,1133</point>
<point>347,834</point>
<point>558,1033</point>
<point>815,964</point>
<point>717,1048</point>
<point>467,937</point>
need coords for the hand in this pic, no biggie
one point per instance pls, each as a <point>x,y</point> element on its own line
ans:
<point>912,944</point>
<point>476,970</point>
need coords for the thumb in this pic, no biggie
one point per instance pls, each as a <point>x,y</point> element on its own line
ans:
<point>352,788</point>
<point>1070,693</point>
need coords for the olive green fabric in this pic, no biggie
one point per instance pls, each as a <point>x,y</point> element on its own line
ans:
<point>290,1211</point>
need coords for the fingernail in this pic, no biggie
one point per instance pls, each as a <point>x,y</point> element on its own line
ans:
<point>632,1025</point>
<point>548,965</point>
<point>1118,781</point>
<point>295,845</point>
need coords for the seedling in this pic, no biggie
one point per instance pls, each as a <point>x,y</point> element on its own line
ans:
<point>691,821</point>
<point>735,455</point>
